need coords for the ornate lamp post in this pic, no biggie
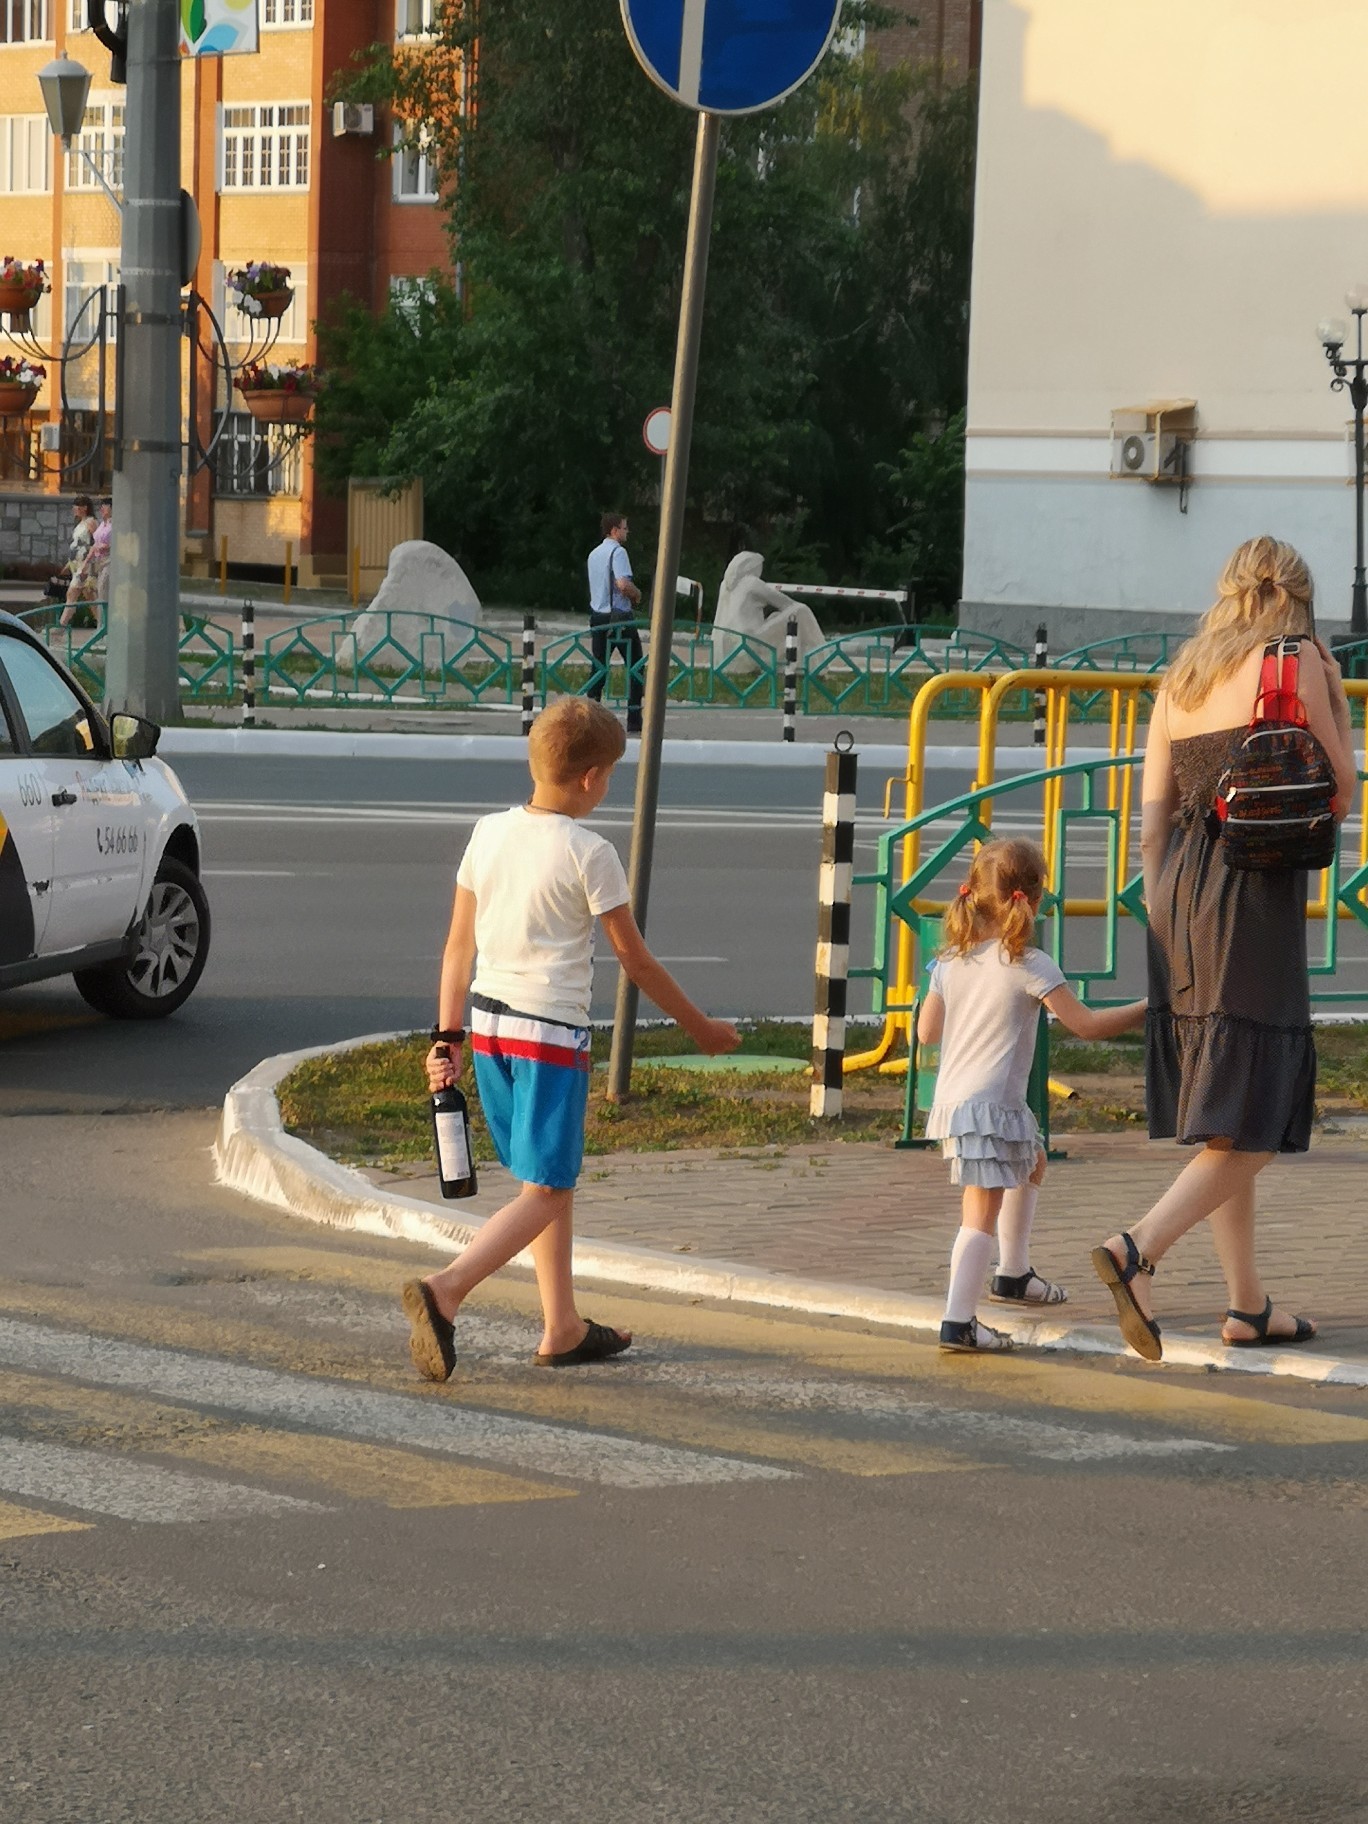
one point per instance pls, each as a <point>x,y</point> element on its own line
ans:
<point>1351,371</point>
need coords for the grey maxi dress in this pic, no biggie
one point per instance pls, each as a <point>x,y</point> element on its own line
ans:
<point>1229,1049</point>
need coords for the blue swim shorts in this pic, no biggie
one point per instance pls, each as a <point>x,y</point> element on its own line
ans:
<point>533,1079</point>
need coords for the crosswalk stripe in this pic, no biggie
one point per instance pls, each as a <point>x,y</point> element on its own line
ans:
<point>98,1483</point>
<point>29,1522</point>
<point>358,1412</point>
<point>362,1472</point>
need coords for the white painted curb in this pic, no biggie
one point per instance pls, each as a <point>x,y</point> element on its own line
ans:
<point>256,1157</point>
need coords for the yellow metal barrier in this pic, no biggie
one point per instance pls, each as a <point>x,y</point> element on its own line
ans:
<point>1062,688</point>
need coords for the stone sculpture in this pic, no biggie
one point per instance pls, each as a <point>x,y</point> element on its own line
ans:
<point>747,604</point>
<point>421,580</point>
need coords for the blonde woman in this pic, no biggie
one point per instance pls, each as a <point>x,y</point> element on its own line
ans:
<point>1230,1057</point>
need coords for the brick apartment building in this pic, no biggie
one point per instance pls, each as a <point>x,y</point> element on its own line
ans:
<point>275,178</point>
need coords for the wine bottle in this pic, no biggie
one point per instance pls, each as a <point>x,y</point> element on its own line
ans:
<point>451,1135</point>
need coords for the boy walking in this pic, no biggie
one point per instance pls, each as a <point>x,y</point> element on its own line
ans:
<point>529,887</point>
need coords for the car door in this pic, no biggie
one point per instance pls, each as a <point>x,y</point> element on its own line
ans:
<point>25,848</point>
<point>96,810</point>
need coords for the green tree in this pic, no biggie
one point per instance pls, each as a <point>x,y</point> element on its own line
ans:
<point>832,333</point>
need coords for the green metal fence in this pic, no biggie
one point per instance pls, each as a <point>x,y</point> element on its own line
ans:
<point>1090,801</point>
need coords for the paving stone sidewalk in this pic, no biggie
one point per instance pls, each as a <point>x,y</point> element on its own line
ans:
<point>869,1215</point>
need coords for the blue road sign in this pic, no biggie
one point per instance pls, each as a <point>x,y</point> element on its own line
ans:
<point>729,56</point>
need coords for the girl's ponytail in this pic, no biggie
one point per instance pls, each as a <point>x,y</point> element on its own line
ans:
<point>1000,899</point>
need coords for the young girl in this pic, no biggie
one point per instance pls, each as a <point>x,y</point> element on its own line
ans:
<point>983,1005</point>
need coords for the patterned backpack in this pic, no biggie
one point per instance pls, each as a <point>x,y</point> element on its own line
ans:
<point>1274,805</point>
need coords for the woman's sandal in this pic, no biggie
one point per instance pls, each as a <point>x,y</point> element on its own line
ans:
<point>598,1344</point>
<point>1015,1289</point>
<point>432,1337</point>
<point>972,1338</point>
<point>1141,1332</point>
<point>1262,1339</point>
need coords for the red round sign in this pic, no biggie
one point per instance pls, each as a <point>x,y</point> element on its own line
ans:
<point>655,433</point>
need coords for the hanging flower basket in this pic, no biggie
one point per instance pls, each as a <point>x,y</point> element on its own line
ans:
<point>263,290</point>
<point>275,407</point>
<point>267,303</point>
<point>20,379</point>
<point>22,283</point>
<point>279,393</point>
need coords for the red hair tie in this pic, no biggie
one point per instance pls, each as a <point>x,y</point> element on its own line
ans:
<point>1017,894</point>
<point>964,891</point>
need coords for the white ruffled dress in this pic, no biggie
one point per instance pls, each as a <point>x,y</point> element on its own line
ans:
<point>988,1135</point>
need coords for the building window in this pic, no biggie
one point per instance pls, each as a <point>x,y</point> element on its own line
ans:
<point>102,139</point>
<point>415,169</point>
<point>25,154</point>
<point>283,15</point>
<point>408,295</point>
<point>23,21</point>
<point>79,19</point>
<point>266,148</point>
<point>414,18</point>
<point>255,460</point>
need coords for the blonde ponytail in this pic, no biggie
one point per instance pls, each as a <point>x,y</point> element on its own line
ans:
<point>1265,592</point>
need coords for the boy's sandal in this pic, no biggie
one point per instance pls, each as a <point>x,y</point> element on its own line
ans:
<point>972,1338</point>
<point>1141,1332</point>
<point>432,1337</point>
<point>1026,1288</point>
<point>597,1345</point>
<point>1263,1338</point>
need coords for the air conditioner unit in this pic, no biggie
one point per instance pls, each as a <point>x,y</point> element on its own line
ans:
<point>352,117</point>
<point>1151,442</point>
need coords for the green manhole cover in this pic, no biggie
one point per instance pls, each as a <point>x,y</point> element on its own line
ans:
<point>732,1060</point>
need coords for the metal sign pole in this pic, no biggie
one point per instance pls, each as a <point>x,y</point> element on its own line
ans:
<point>666,570</point>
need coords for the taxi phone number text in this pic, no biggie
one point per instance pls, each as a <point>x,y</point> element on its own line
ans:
<point>113,839</point>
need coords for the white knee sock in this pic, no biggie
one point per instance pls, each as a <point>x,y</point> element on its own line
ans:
<point>1014,1230</point>
<point>968,1264</point>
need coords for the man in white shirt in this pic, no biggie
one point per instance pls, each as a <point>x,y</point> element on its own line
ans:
<point>613,600</point>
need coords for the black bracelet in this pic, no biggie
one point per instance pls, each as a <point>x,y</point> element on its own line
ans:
<point>448,1035</point>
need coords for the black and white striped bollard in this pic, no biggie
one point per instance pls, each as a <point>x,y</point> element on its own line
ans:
<point>248,665</point>
<point>833,930</point>
<point>1042,656</point>
<point>791,678</point>
<point>529,672</point>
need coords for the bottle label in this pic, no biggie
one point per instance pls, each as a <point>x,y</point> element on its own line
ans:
<point>453,1146</point>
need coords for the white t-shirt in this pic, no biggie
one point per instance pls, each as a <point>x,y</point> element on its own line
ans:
<point>610,555</point>
<point>539,880</point>
<point>991,1008</point>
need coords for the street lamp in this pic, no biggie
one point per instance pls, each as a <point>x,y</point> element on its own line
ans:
<point>1352,371</point>
<point>65,85</point>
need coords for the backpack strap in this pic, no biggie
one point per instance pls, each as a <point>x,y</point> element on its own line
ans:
<point>1278,684</point>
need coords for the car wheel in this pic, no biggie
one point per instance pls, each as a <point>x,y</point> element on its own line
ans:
<point>171,949</point>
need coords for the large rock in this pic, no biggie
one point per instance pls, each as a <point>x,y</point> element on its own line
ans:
<point>421,580</point>
<point>747,604</point>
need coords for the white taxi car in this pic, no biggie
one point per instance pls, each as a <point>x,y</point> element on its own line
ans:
<point>99,851</point>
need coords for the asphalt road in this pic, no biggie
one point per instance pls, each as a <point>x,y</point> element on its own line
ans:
<point>331,881</point>
<point>757,1570</point>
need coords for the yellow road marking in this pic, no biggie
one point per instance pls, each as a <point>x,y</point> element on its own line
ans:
<point>25,1025</point>
<point>28,1522</point>
<point>91,1417</point>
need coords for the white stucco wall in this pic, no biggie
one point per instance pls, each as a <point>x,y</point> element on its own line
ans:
<point>1170,198</point>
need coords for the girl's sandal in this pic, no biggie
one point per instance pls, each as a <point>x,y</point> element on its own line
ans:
<point>1141,1332</point>
<point>1263,1338</point>
<point>972,1338</point>
<point>1026,1288</point>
